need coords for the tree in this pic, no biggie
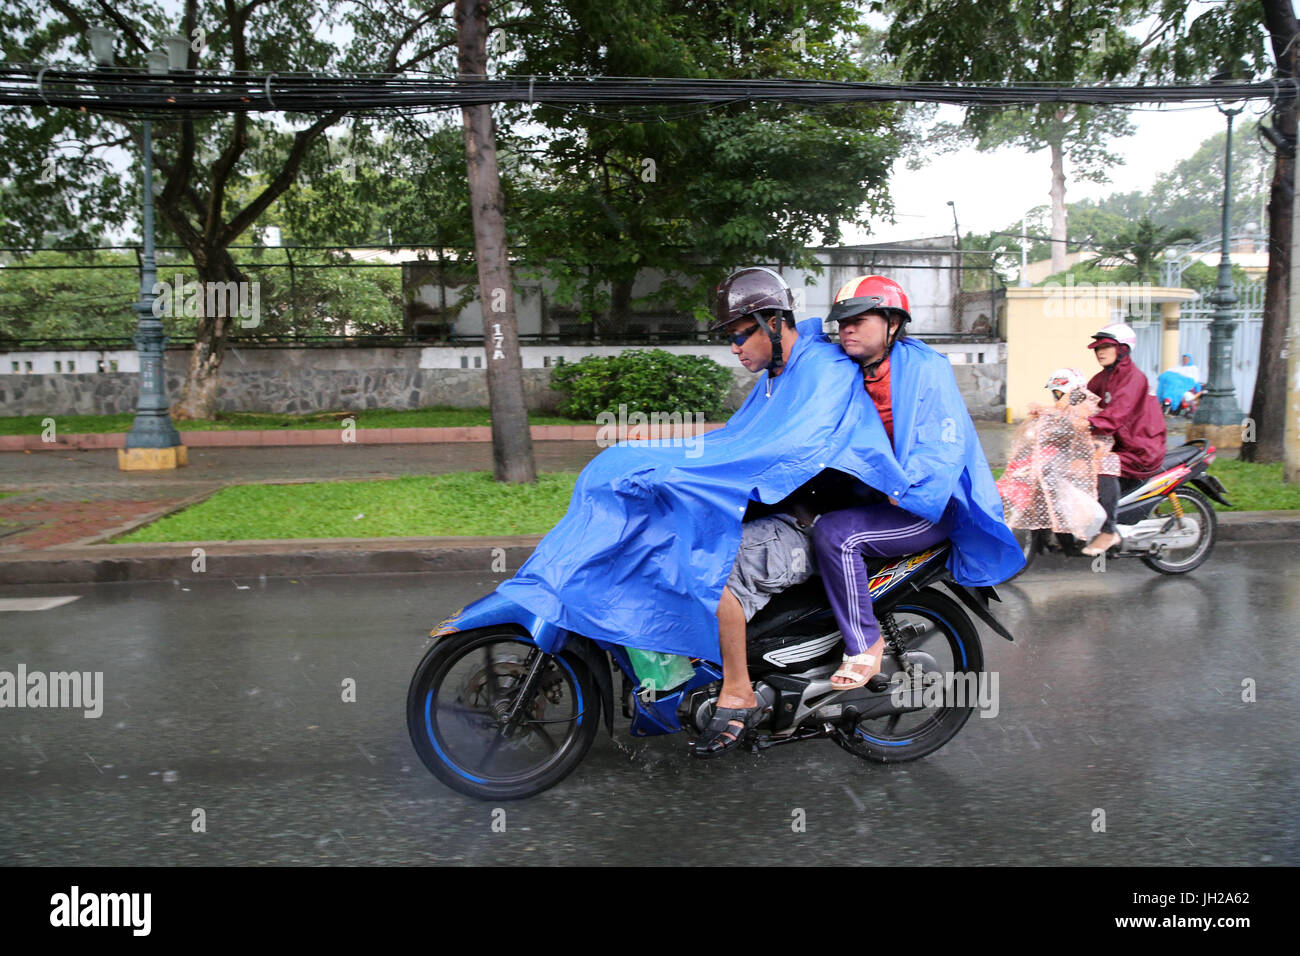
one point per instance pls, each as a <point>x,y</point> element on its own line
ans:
<point>512,447</point>
<point>1269,402</point>
<point>401,185</point>
<point>71,295</point>
<point>1191,48</point>
<point>606,193</point>
<point>1141,244</point>
<point>1190,195</point>
<point>204,162</point>
<point>1026,41</point>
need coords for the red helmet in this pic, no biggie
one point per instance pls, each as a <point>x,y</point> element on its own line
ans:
<point>869,294</point>
<point>751,290</point>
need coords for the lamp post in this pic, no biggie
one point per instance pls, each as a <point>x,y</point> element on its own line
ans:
<point>957,285</point>
<point>153,443</point>
<point>1218,417</point>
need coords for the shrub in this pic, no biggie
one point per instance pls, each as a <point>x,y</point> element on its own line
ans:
<point>645,380</point>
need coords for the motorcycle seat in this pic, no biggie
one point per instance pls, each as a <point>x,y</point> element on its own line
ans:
<point>1180,455</point>
<point>806,600</point>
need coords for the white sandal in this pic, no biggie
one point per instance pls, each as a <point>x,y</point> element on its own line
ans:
<point>871,660</point>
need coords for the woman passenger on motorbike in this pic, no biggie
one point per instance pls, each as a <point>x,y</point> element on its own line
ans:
<point>1131,416</point>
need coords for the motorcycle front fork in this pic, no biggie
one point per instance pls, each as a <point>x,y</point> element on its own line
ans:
<point>534,664</point>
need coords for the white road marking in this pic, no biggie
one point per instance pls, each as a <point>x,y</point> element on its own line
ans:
<point>36,604</point>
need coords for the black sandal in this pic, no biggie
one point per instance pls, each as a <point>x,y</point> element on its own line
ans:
<point>719,737</point>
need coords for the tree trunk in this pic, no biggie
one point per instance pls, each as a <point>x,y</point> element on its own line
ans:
<point>1268,404</point>
<point>512,446</point>
<point>198,397</point>
<point>620,305</point>
<point>1058,207</point>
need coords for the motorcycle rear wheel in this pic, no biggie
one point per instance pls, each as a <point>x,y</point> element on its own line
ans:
<point>458,701</point>
<point>1185,559</point>
<point>948,636</point>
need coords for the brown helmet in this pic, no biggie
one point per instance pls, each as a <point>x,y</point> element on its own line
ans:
<point>751,290</point>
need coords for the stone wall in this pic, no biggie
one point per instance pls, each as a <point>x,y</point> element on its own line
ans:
<point>310,380</point>
<point>984,387</point>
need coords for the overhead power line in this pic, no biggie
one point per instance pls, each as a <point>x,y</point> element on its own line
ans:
<point>119,91</point>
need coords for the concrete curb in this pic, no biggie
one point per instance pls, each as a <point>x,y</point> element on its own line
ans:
<point>88,564</point>
<point>330,436</point>
<point>286,558</point>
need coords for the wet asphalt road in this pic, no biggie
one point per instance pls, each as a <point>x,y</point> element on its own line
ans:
<point>1122,693</point>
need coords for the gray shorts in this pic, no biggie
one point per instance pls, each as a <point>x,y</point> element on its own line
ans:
<point>775,554</point>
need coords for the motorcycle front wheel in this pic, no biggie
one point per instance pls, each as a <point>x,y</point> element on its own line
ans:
<point>938,638</point>
<point>473,731</point>
<point>1031,542</point>
<point>1182,560</point>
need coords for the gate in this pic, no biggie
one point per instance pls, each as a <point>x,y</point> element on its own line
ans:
<point>1194,339</point>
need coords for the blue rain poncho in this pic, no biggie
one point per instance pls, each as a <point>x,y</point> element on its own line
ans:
<point>1172,384</point>
<point>642,554</point>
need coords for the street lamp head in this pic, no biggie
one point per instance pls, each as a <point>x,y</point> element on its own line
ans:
<point>102,41</point>
<point>178,51</point>
<point>1231,73</point>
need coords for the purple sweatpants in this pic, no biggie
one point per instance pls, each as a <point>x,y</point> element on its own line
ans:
<point>843,540</point>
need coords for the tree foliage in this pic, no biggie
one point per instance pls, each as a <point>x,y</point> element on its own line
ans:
<point>1026,41</point>
<point>1190,196</point>
<point>219,175</point>
<point>1141,244</point>
<point>604,193</point>
<point>72,295</point>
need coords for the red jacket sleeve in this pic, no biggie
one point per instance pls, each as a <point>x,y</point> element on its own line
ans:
<point>1121,403</point>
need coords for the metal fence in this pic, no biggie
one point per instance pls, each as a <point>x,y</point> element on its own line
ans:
<point>955,296</point>
<point>1194,338</point>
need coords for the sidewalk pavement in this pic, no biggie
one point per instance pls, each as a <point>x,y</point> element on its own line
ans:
<point>64,505</point>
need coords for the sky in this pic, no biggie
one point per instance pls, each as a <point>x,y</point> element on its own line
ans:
<point>992,190</point>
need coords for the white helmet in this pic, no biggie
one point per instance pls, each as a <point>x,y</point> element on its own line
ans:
<point>1115,334</point>
<point>1066,380</point>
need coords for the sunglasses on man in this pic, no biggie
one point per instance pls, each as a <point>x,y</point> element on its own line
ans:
<point>740,337</point>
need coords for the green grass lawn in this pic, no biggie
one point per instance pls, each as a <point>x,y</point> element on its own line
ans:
<point>464,503</point>
<point>471,503</point>
<point>438,416</point>
<point>1251,487</point>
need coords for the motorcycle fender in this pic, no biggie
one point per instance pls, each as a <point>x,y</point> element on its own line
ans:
<point>1212,488</point>
<point>977,601</point>
<point>598,665</point>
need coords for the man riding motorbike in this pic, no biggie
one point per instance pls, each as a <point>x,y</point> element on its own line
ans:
<point>755,311</point>
<point>651,538</point>
<point>1129,414</point>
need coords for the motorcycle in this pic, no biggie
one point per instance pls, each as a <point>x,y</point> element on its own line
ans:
<point>1178,394</point>
<point>1166,521</point>
<point>505,705</point>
